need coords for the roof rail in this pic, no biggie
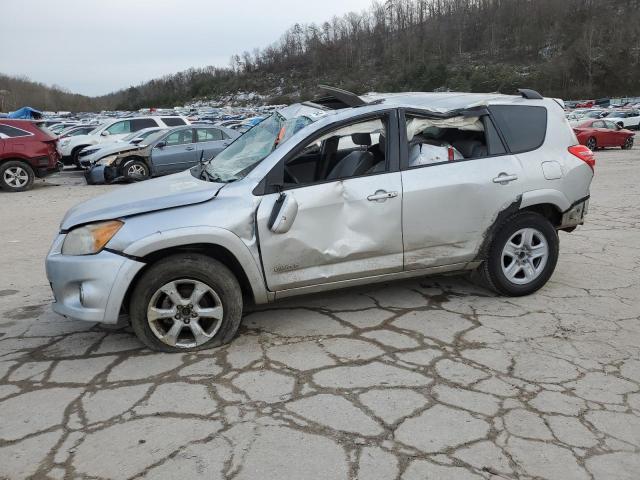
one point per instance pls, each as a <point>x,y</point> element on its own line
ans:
<point>530,94</point>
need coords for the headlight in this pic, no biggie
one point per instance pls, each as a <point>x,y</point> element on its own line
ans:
<point>65,141</point>
<point>107,160</point>
<point>90,238</point>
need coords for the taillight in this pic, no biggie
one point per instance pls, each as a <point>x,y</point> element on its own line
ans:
<point>584,154</point>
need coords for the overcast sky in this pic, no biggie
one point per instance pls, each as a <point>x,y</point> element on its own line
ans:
<point>97,46</point>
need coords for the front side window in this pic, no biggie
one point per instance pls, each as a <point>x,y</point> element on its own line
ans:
<point>208,134</point>
<point>440,140</point>
<point>120,128</point>
<point>610,125</point>
<point>598,124</point>
<point>350,151</point>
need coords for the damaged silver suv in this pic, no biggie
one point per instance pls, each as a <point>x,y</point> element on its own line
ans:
<point>342,191</point>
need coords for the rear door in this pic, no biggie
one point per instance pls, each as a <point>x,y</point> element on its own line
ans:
<point>450,201</point>
<point>176,152</point>
<point>210,142</point>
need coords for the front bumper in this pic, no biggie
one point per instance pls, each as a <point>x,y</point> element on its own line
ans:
<point>94,175</point>
<point>89,287</point>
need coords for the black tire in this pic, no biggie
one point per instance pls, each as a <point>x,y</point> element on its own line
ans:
<point>628,144</point>
<point>198,268</point>
<point>592,144</point>
<point>135,170</point>
<point>8,180</point>
<point>491,270</point>
<point>75,155</point>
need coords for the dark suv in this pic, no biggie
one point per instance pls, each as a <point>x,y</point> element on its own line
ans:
<point>27,150</point>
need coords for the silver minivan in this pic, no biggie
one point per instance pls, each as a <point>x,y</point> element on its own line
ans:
<point>342,191</point>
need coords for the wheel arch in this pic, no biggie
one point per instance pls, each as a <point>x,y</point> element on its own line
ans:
<point>548,203</point>
<point>217,243</point>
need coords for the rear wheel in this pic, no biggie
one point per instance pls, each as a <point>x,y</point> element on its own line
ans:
<point>16,176</point>
<point>186,302</point>
<point>522,255</point>
<point>592,143</point>
<point>628,144</point>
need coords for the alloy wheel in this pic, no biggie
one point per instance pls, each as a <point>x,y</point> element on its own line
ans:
<point>592,144</point>
<point>185,313</point>
<point>524,256</point>
<point>136,170</point>
<point>16,177</point>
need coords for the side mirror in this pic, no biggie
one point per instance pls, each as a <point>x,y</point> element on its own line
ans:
<point>283,214</point>
<point>161,144</point>
<point>105,133</point>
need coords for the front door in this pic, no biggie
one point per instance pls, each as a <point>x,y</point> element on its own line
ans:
<point>349,209</point>
<point>175,153</point>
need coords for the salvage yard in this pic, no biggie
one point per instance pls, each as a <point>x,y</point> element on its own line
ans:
<point>432,378</point>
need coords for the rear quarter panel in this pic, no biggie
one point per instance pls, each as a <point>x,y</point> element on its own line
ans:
<point>575,180</point>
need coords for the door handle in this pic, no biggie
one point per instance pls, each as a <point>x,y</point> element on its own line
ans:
<point>504,178</point>
<point>381,196</point>
<point>190,148</point>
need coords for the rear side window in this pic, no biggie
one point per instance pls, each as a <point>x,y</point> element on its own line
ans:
<point>523,127</point>
<point>173,121</point>
<point>208,134</point>
<point>13,132</point>
<point>141,123</point>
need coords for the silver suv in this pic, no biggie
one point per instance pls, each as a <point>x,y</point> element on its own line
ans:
<point>342,191</point>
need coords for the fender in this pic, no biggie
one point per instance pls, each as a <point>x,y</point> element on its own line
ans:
<point>546,195</point>
<point>205,235</point>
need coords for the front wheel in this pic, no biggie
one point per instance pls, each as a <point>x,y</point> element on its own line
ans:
<point>628,144</point>
<point>592,144</point>
<point>522,255</point>
<point>186,302</point>
<point>16,176</point>
<point>135,170</point>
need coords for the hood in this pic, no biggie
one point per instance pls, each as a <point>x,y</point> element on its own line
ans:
<point>111,149</point>
<point>161,193</point>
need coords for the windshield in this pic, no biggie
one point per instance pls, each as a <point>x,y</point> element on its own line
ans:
<point>248,150</point>
<point>154,136</point>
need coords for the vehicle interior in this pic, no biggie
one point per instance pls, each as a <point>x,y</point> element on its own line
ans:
<point>433,141</point>
<point>361,149</point>
<point>351,151</point>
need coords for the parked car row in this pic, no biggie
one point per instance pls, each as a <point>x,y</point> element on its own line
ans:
<point>70,147</point>
<point>155,152</point>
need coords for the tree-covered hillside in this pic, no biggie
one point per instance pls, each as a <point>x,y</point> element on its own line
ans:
<point>563,48</point>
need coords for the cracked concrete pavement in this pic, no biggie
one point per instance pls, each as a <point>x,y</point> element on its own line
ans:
<point>425,379</point>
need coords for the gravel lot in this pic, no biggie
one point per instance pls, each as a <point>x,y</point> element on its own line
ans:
<point>431,378</point>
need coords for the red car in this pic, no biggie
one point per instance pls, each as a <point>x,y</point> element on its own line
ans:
<point>27,150</point>
<point>585,104</point>
<point>603,133</point>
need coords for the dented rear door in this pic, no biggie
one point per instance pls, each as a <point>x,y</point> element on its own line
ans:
<point>343,230</point>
